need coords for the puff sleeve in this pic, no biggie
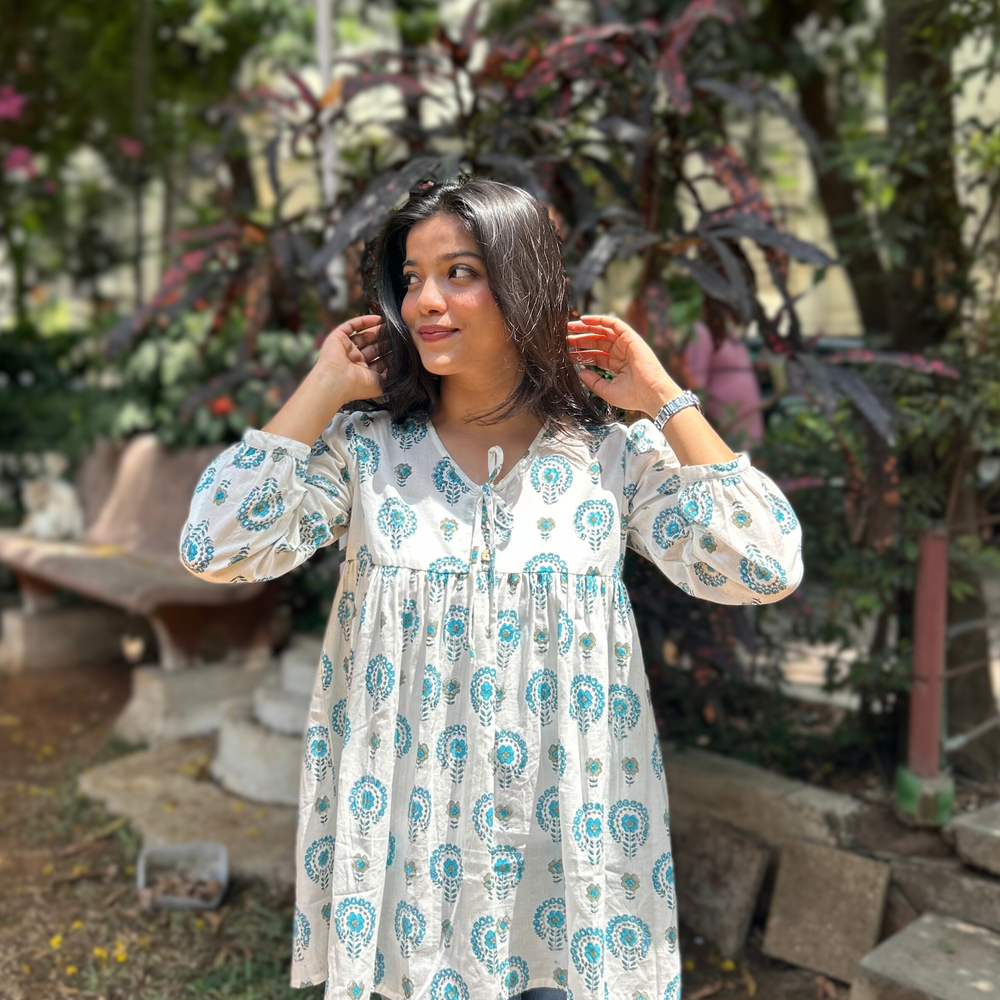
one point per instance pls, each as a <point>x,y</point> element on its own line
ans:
<point>268,502</point>
<point>723,532</point>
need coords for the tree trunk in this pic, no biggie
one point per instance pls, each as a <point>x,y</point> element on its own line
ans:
<point>925,220</point>
<point>842,205</point>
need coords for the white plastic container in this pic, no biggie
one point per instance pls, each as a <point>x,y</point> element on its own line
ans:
<point>194,859</point>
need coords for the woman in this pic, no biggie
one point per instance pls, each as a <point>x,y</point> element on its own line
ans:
<point>483,808</point>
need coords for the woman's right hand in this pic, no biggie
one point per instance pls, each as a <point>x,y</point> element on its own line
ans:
<point>349,356</point>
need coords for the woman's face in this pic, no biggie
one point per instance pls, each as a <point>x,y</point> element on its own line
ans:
<point>446,286</point>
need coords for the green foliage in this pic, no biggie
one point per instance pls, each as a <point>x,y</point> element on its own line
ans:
<point>944,426</point>
<point>74,64</point>
<point>50,395</point>
<point>183,358</point>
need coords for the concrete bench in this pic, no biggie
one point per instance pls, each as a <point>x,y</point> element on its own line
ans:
<point>136,500</point>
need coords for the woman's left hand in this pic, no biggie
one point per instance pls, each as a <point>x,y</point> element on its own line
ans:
<point>640,382</point>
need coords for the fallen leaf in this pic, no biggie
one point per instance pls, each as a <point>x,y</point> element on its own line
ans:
<point>91,838</point>
<point>115,894</point>
<point>708,990</point>
<point>748,980</point>
<point>826,989</point>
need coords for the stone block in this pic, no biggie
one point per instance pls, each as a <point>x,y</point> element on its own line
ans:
<point>260,840</point>
<point>300,664</point>
<point>976,837</point>
<point>947,887</point>
<point>934,958</point>
<point>774,809</point>
<point>171,705</point>
<point>255,762</point>
<point>827,909</point>
<point>283,711</point>
<point>899,912</point>
<point>62,637</point>
<point>719,873</point>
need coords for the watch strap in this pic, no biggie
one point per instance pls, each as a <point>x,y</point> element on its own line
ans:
<point>675,405</point>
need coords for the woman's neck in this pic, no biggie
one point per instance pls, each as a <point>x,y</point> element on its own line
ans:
<point>459,400</point>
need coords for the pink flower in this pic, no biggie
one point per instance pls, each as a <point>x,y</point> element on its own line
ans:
<point>130,148</point>
<point>20,159</point>
<point>11,102</point>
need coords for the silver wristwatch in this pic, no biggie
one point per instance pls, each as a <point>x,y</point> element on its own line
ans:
<point>672,406</point>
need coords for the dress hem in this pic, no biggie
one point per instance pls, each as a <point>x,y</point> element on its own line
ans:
<point>532,985</point>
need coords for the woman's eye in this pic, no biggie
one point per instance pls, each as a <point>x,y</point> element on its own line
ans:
<point>451,273</point>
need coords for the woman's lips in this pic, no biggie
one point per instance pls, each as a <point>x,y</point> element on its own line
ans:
<point>437,335</point>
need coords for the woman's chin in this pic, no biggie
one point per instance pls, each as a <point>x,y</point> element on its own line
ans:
<point>440,364</point>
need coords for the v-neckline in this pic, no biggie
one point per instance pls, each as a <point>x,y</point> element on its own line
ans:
<point>467,479</point>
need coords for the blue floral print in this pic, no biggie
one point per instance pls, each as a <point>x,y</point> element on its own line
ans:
<point>483,802</point>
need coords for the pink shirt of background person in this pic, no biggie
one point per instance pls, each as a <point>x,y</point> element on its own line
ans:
<point>733,402</point>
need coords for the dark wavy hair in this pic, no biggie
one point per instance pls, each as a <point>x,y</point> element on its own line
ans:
<point>524,268</point>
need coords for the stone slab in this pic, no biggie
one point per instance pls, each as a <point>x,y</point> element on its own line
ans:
<point>171,705</point>
<point>947,887</point>
<point>775,809</point>
<point>976,837</point>
<point>168,798</point>
<point>61,637</point>
<point>300,664</point>
<point>283,711</point>
<point>827,908</point>
<point>255,762</point>
<point>934,958</point>
<point>719,873</point>
<point>899,912</point>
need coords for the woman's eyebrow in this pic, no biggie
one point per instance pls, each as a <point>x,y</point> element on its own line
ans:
<point>449,256</point>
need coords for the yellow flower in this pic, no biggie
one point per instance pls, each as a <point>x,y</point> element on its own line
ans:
<point>101,953</point>
<point>80,869</point>
<point>728,965</point>
<point>55,941</point>
<point>76,925</point>
<point>26,969</point>
<point>199,923</point>
<point>48,869</point>
<point>71,970</point>
<point>122,956</point>
<point>237,805</point>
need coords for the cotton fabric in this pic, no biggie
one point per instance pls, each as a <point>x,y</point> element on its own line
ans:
<point>483,807</point>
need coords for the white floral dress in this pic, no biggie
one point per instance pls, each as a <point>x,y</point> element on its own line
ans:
<point>483,807</point>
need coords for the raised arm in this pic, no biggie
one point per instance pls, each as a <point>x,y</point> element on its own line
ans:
<point>269,501</point>
<point>717,527</point>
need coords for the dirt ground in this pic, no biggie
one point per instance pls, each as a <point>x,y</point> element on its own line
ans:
<point>70,920</point>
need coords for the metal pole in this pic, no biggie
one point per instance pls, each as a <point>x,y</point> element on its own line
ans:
<point>328,141</point>
<point>930,621</point>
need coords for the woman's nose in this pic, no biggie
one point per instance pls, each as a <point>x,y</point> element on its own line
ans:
<point>430,298</point>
